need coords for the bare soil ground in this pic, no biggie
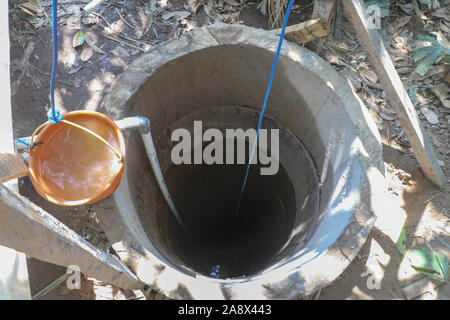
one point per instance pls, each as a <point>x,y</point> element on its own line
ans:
<point>82,85</point>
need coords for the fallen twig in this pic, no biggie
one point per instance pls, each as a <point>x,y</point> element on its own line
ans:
<point>437,194</point>
<point>123,19</point>
<point>92,5</point>
<point>98,15</point>
<point>92,44</point>
<point>123,42</point>
<point>111,31</point>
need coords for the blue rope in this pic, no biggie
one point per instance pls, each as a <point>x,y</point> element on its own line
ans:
<point>54,114</point>
<point>22,142</point>
<point>286,17</point>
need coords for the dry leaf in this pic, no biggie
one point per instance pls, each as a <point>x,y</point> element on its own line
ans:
<point>441,13</point>
<point>73,70</point>
<point>443,40</point>
<point>182,14</point>
<point>89,20</point>
<point>232,3</point>
<point>442,95</point>
<point>407,7</point>
<point>401,21</point>
<point>370,75</point>
<point>211,12</point>
<point>333,59</point>
<point>78,39</point>
<point>15,85</point>
<point>444,27</point>
<point>120,52</point>
<point>92,44</point>
<point>386,117</point>
<point>178,15</point>
<point>32,8</point>
<point>447,78</point>
<point>167,15</point>
<point>430,115</point>
<point>86,54</point>
<point>148,21</point>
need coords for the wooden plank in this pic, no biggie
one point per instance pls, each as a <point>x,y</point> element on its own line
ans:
<point>12,166</point>
<point>14,283</point>
<point>29,229</point>
<point>305,31</point>
<point>395,91</point>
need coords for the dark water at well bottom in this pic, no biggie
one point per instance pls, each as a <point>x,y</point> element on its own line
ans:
<point>221,245</point>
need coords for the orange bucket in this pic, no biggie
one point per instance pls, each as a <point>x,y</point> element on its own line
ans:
<point>73,167</point>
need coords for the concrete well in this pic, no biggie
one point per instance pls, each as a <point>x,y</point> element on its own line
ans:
<point>297,230</point>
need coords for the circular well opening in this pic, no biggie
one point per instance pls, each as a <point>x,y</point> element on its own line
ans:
<point>223,88</point>
<point>223,242</point>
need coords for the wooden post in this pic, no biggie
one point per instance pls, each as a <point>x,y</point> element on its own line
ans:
<point>12,166</point>
<point>397,95</point>
<point>14,282</point>
<point>323,9</point>
<point>29,229</point>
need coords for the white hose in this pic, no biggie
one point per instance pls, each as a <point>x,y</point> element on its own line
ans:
<point>151,153</point>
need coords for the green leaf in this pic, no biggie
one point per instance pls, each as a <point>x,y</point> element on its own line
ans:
<point>384,12</point>
<point>412,94</point>
<point>425,64</point>
<point>426,2</point>
<point>421,53</point>
<point>78,39</point>
<point>429,39</point>
<point>443,263</point>
<point>446,58</point>
<point>423,260</point>
<point>429,274</point>
<point>401,247</point>
<point>382,4</point>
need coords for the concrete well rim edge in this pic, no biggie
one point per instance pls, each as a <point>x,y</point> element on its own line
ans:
<point>128,84</point>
